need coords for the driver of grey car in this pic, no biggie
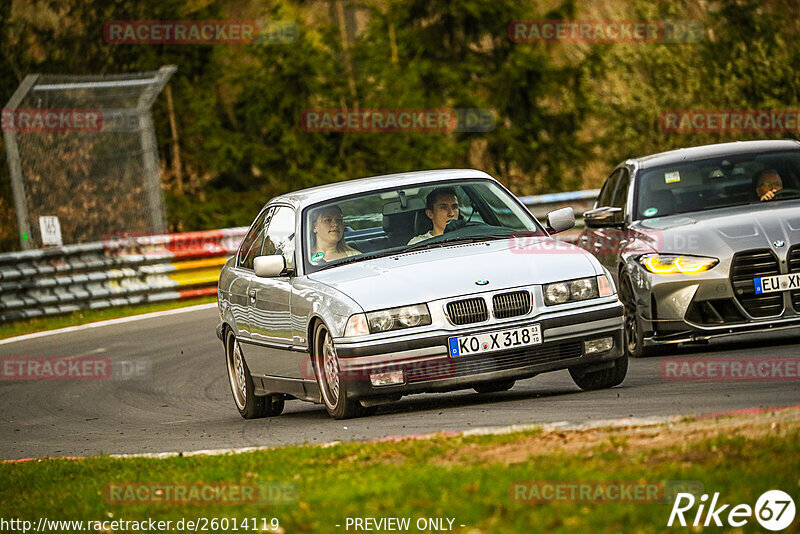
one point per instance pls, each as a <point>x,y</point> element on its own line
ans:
<point>768,184</point>
<point>327,236</point>
<point>441,207</point>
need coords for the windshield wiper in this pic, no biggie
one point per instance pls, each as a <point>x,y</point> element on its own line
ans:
<point>353,259</point>
<point>455,240</point>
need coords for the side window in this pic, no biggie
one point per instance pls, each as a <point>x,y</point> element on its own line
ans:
<point>280,235</point>
<point>620,197</point>
<point>251,244</point>
<point>607,193</point>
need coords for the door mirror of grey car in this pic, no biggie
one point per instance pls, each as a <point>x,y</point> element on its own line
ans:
<point>560,220</point>
<point>269,266</point>
<point>605,217</point>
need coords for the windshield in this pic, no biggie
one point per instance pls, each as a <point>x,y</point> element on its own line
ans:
<point>390,222</point>
<point>718,183</point>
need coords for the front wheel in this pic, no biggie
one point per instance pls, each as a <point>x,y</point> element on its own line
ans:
<point>250,405</point>
<point>634,332</point>
<point>602,379</point>
<point>331,386</point>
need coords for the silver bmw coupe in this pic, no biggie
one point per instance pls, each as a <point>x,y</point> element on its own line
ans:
<point>357,293</point>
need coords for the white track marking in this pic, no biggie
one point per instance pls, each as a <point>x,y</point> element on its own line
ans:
<point>109,322</point>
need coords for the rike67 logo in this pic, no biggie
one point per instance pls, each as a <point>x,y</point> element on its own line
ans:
<point>774,510</point>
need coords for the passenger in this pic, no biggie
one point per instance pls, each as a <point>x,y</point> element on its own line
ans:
<point>441,207</point>
<point>768,184</point>
<point>327,236</point>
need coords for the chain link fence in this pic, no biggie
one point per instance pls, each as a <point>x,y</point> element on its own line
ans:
<point>83,149</point>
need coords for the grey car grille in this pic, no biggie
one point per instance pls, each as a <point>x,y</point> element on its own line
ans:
<point>754,264</point>
<point>502,361</point>
<point>511,304</point>
<point>794,267</point>
<point>467,311</point>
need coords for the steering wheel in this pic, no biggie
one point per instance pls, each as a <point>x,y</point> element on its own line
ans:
<point>455,224</point>
<point>785,192</point>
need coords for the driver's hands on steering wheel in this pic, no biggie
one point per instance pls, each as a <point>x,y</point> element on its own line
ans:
<point>769,195</point>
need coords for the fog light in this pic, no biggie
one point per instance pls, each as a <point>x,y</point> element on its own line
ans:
<point>386,379</point>
<point>594,346</point>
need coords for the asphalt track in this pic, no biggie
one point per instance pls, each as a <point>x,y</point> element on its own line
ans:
<point>183,402</point>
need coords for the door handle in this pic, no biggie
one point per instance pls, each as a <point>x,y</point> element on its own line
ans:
<point>252,295</point>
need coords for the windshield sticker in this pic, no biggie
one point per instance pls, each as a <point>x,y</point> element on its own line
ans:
<point>672,177</point>
<point>649,212</point>
<point>318,256</point>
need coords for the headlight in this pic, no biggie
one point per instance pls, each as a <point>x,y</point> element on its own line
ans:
<point>574,290</point>
<point>674,263</point>
<point>398,318</point>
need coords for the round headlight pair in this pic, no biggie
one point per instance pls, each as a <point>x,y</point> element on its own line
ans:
<point>561,292</point>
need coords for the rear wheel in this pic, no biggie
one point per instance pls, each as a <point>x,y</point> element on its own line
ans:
<point>494,387</point>
<point>331,386</point>
<point>250,405</point>
<point>602,379</point>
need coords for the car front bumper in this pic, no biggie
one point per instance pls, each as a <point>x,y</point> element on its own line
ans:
<point>427,365</point>
<point>685,309</point>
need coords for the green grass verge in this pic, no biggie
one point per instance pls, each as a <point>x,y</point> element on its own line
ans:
<point>442,478</point>
<point>41,324</point>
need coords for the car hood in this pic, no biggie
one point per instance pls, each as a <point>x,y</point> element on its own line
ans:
<point>427,275</point>
<point>722,232</point>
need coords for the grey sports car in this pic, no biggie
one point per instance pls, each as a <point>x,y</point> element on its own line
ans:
<point>357,293</point>
<point>703,242</point>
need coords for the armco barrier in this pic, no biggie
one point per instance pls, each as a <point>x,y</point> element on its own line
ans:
<point>132,269</point>
<point>122,269</point>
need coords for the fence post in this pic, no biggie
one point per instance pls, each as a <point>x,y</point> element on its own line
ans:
<point>12,150</point>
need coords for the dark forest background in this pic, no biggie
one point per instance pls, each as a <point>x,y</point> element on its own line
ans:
<point>566,112</point>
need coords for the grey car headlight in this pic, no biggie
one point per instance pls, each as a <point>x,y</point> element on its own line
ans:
<point>386,320</point>
<point>576,290</point>
<point>675,263</point>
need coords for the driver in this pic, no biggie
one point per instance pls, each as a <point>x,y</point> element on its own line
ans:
<point>441,207</point>
<point>768,184</point>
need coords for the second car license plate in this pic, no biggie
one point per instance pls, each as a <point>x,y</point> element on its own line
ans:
<point>781,282</point>
<point>492,341</point>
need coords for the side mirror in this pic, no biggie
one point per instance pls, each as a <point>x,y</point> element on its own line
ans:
<point>560,220</point>
<point>606,217</point>
<point>269,266</point>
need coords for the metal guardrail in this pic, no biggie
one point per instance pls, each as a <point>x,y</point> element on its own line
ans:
<point>133,269</point>
<point>120,270</point>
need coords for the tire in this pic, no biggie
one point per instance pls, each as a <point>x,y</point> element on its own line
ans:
<point>250,405</point>
<point>495,387</point>
<point>633,339</point>
<point>332,389</point>
<point>602,379</point>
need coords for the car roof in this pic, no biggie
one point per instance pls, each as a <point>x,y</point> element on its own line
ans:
<point>312,195</point>
<point>710,151</point>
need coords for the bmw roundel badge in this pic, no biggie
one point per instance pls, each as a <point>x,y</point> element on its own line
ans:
<point>481,282</point>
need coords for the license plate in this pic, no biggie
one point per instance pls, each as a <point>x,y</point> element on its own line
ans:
<point>494,341</point>
<point>781,282</point>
